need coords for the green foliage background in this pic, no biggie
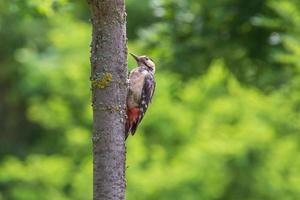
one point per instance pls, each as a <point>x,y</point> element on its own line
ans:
<point>224,122</point>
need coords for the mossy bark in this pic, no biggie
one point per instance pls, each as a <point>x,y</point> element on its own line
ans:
<point>108,82</point>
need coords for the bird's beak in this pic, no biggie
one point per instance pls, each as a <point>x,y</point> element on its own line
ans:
<point>135,57</point>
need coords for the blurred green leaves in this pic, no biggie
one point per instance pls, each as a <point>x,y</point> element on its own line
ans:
<point>225,152</point>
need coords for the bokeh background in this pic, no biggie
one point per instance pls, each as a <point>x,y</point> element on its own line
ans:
<point>223,124</point>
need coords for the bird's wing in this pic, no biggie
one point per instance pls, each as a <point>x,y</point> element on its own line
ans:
<point>146,97</point>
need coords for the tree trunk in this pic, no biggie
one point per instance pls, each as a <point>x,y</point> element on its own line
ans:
<point>109,90</point>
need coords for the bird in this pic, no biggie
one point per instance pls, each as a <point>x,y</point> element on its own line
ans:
<point>141,87</point>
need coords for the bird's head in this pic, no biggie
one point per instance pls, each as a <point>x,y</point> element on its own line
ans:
<point>144,61</point>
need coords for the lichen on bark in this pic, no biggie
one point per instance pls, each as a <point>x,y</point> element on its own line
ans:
<point>102,82</point>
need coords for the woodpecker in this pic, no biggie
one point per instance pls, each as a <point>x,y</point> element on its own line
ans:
<point>140,91</point>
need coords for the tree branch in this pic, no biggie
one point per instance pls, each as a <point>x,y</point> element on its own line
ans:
<point>109,90</point>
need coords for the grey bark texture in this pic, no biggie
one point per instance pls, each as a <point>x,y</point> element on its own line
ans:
<point>109,90</point>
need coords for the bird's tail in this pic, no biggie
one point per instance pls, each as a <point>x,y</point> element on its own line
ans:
<point>132,121</point>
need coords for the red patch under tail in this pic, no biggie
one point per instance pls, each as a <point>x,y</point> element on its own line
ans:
<point>132,121</point>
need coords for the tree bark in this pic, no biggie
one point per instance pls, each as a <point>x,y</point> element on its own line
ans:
<point>109,90</point>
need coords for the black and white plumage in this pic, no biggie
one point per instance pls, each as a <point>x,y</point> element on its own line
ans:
<point>140,92</point>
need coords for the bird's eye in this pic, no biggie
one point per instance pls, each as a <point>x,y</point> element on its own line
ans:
<point>147,58</point>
